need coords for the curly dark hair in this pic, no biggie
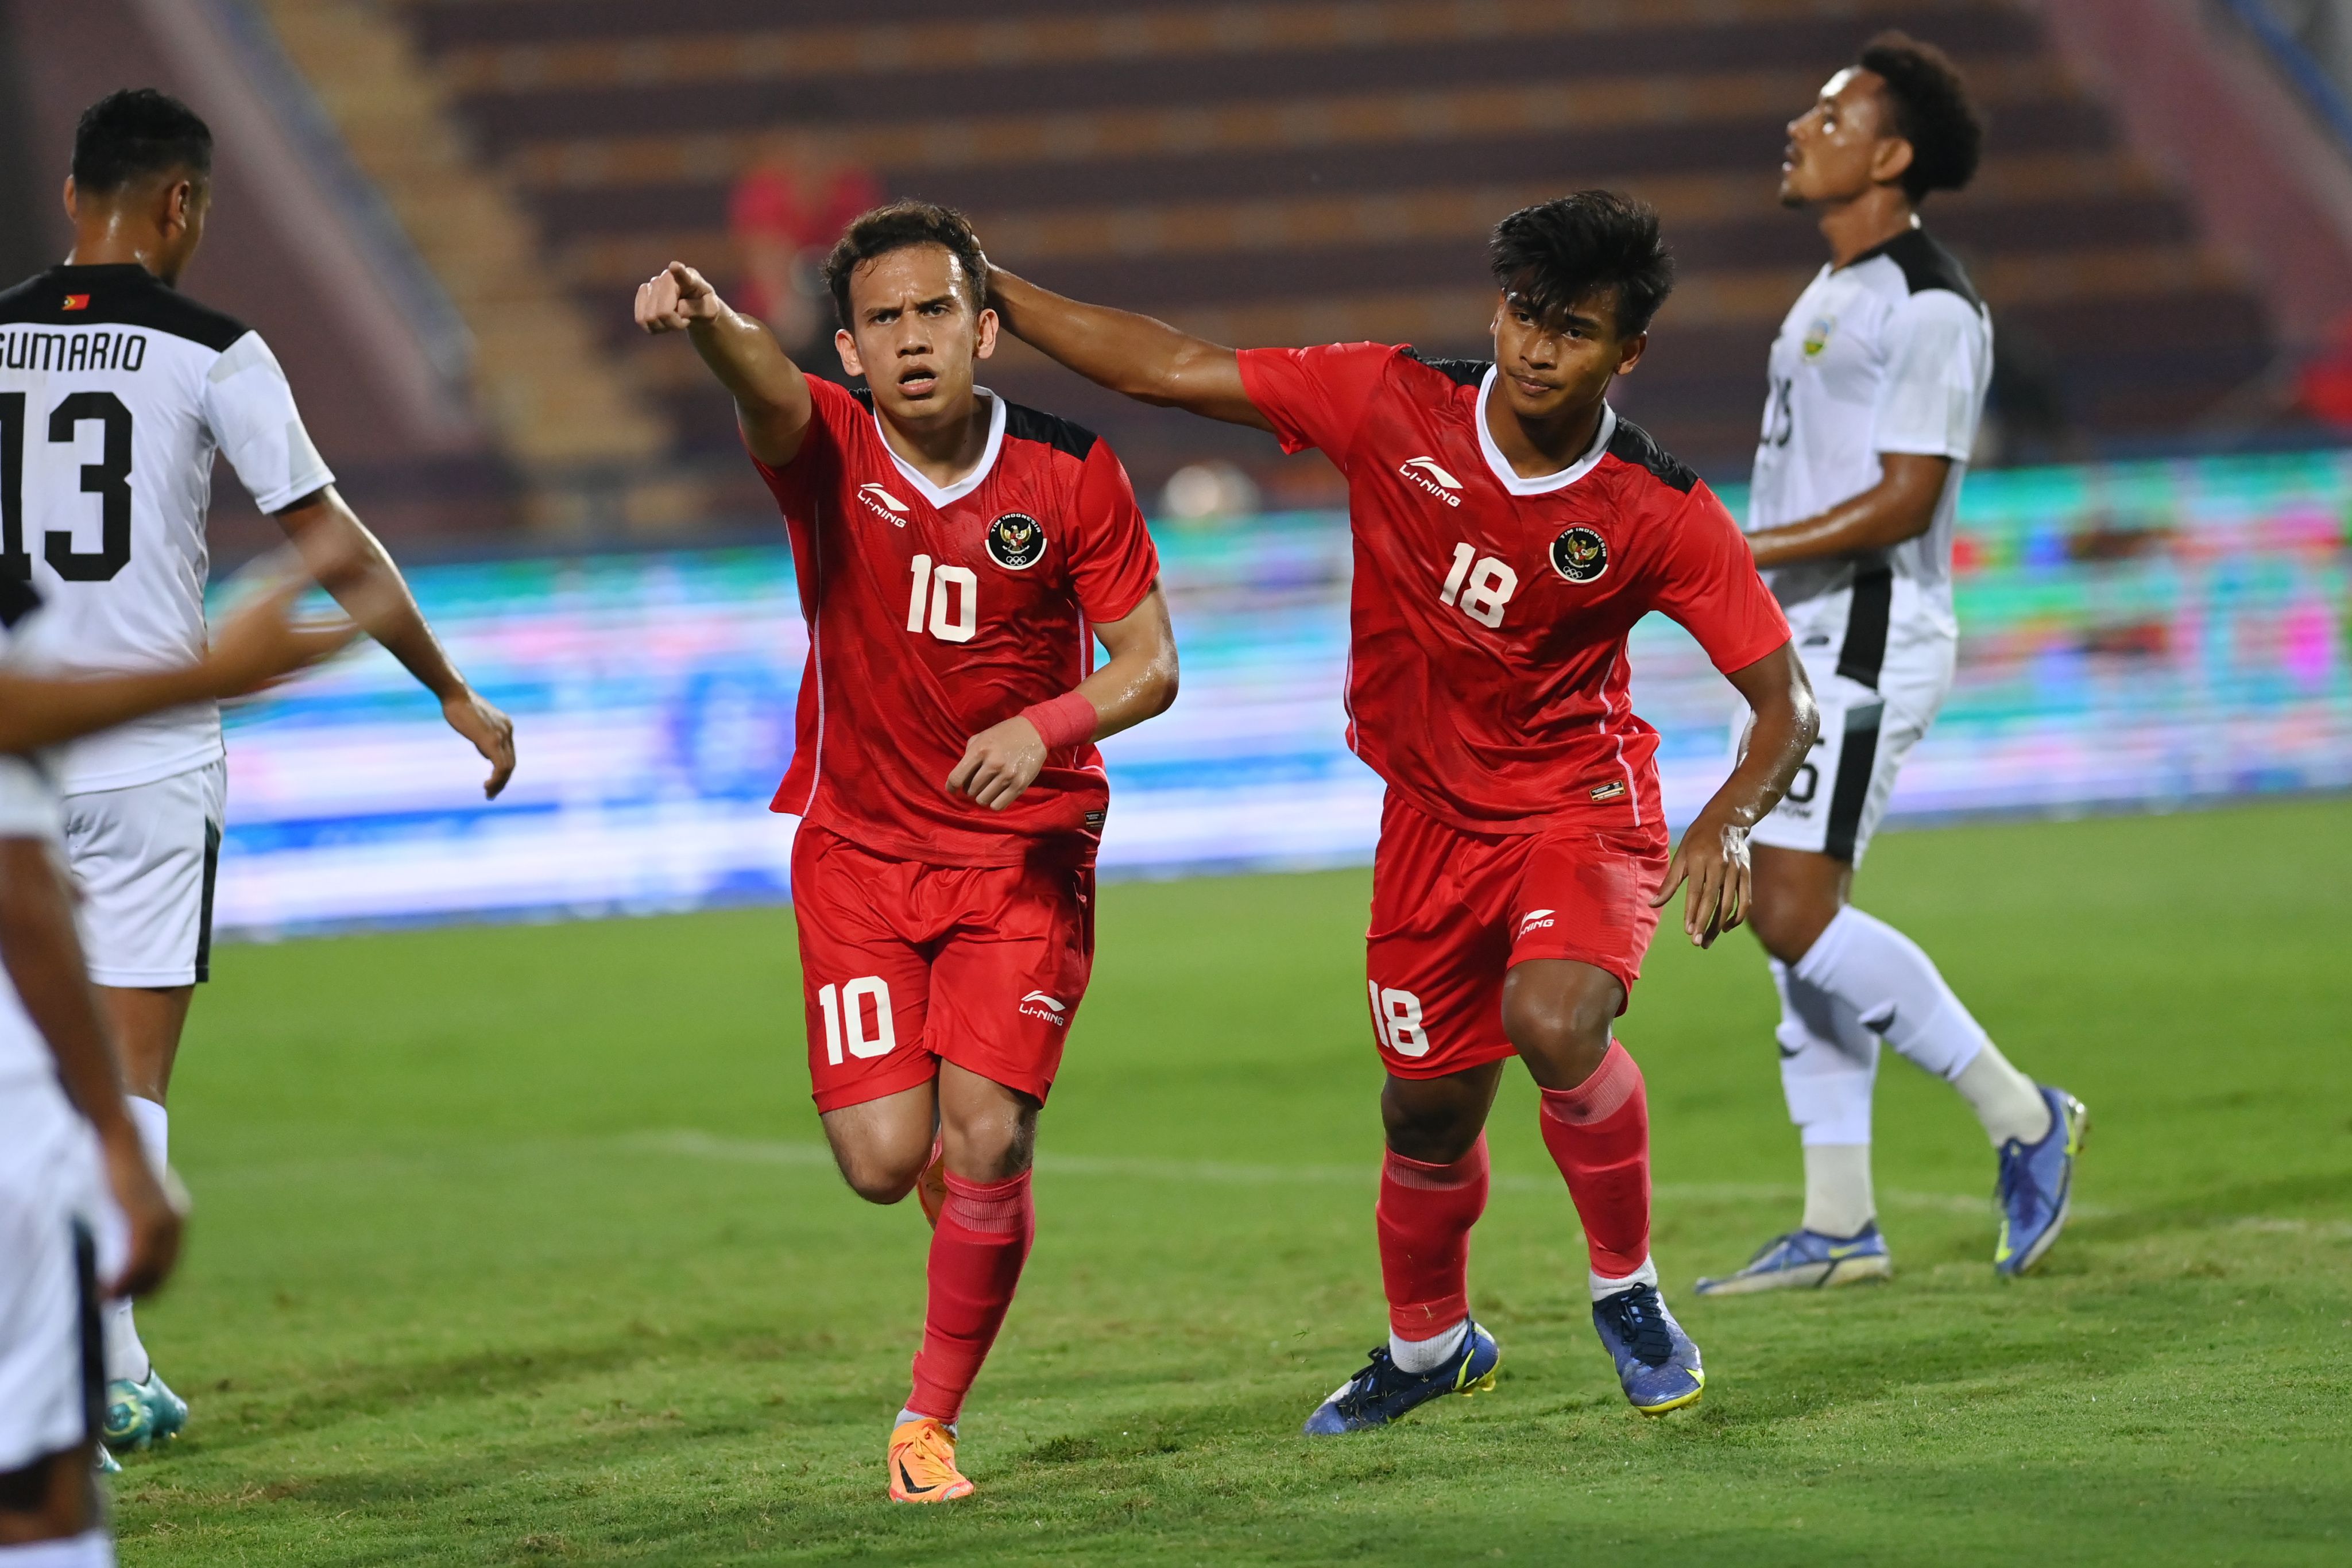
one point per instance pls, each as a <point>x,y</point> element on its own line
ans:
<point>1553,254</point>
<point>136,132</point>
<point>1930,107</point>
<point>896,227</point>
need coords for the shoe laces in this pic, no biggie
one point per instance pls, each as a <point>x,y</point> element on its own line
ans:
<point>1639,1320</point>
<point>928,1454</point>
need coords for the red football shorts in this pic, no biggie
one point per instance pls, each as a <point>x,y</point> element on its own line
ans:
<point>903,963</point>
<point>1453,911</point>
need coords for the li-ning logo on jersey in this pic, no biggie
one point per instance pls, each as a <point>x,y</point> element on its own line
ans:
<point>1017,540</point>
<point>1817,336</point>
<point>1038,1005</point>
<point>79,350</point>
<point>880,500</point>
<point>1536,920</point>
<point>1425,473</point>
<point>1580,555</point>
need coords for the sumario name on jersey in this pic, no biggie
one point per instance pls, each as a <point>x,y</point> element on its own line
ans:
<point>85,348</point>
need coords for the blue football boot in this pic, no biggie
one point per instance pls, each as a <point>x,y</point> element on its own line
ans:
<point>1380,1393</point>
<point>1808,1260</point>
<point>1656,1363</point>
<point>141,1414</point>
<point>2036,1188</point>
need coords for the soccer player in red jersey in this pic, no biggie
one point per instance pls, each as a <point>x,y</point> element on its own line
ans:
<point>958,557</point>
<point>1509,530</point>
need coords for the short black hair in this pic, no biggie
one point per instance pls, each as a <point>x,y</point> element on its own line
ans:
<point>896,227</point>
<point>1931,111</point>
<point>1553,254</point>
<point>136,132</point>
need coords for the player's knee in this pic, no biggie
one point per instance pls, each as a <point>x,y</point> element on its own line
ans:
<point>1560,1032</point>
<point>993,1147</point>
<point>879,1176</point>
<point>1787,920</point>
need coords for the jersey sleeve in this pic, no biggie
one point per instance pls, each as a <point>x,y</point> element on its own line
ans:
<point>1316,397</point>
<point>250,411</point>
<point>1113,562</point>
<point>1713,591</point>
<point>1939,354</point>
<point>833,409</point>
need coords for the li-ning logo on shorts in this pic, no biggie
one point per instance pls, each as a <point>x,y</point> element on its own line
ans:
<point>1580,555</point>
<point>1425,473</point>
<point>1038,1005</point>
<point>1015,540</point>
<point>880,500</point>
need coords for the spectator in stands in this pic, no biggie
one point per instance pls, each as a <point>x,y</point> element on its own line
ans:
<point>787,209</point>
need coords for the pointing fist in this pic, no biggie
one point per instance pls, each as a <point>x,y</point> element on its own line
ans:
<point>673,299</point>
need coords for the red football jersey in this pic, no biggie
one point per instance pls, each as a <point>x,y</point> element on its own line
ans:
<point>936,613</point>
<point>1487,676</point>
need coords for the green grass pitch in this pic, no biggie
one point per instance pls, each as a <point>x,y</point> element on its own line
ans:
<point>518,1246</point>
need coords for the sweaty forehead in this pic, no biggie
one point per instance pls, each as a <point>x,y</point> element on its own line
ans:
<point>910,272</point>
<point>1856,91</point>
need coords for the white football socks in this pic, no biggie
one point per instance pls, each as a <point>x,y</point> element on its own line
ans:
<point>1829,1063</point>
<point>91,1549</point>
<point>126,1357</point>
<point>1895,989</point>
<point>1419,1355</point>
<point>1604,1287</point>
<point>1838,1200</point>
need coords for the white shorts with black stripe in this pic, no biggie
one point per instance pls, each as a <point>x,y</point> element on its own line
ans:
<point>1879,686</point>
<point>60,1234</point>
<point>145,858</point>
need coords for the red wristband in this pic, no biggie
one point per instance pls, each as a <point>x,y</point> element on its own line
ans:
<point>1068,720</point>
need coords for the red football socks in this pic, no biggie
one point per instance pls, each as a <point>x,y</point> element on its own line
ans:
<point>1599,1135</point>
<point>1425,1217</point>
<point>977,1250</point>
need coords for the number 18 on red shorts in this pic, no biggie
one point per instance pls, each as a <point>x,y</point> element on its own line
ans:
<point>906,964</point>
<point>1453,911</point>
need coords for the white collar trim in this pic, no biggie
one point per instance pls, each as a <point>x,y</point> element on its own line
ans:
<point>1542,483</point>
<point>964,486</point>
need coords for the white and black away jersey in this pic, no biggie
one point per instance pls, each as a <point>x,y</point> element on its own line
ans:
<point>28,810</point>
<point>1891,352</point>
<point>115,392</point>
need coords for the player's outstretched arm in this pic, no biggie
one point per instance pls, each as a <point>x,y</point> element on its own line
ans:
<point>1901,506</point>
<point>1147,359</point>
<point>1138,682</point>
<point>772,395</point>
<point>1713,856</point>
<point>44,959</point>
<point>261,644</point>
<point>352,564</point>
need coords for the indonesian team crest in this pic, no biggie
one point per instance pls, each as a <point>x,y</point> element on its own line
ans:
<point>1579,554</point>
<point>1015,540</point>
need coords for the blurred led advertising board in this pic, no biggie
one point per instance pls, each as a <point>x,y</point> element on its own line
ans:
<point>2132,637</point>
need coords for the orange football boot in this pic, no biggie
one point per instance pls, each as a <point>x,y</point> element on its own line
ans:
<point>922,1463</point>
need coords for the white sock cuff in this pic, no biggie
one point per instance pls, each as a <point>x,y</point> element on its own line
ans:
<point>1605,1287</point>
<point>1823,955</point>
<point>1427,1354</point>
<point>154,1125</point>
<point>91,1549</point>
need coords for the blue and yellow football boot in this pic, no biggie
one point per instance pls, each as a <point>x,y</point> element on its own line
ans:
<point>141,1414</point>
<point>1380,1393</point>
<point>1657,1364</point>
<point>1808,1260</point>
<point>2036,1188</point>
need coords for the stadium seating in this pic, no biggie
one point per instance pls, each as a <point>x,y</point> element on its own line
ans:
<point>1302,169</point>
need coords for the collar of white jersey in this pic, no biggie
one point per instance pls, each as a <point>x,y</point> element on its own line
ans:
<point>964,486</point>
<point>1542,483</point>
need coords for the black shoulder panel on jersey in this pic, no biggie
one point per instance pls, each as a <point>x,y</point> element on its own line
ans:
<point>1461,372</point>
<point>18,599</point>
<point>1632,444</point>
<point>1926,265</point>
<point>1025,423</point>
<point>124,296</point>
